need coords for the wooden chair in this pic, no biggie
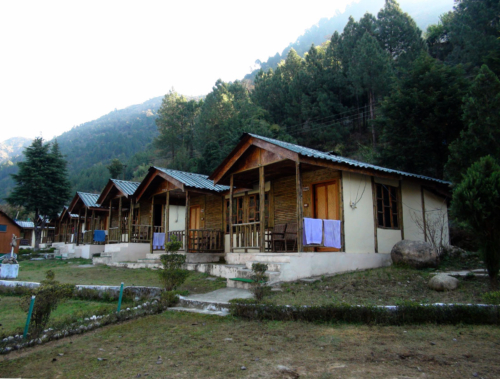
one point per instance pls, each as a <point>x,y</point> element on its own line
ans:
<point>278,237</point>
<point>291,236</point>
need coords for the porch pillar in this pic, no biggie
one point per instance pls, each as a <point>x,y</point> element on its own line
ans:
<point>231,182</point>
<point>78,227</point>
<point>85,222</point>
<point>109,217</point>
<point>152,223</point>
<point>120,218</point>
<point>130,216</point>
<point>300,209</point>
<point>167,218</point>
<point>186,246</point>
<point>262,204</point>
<point>92,225</point>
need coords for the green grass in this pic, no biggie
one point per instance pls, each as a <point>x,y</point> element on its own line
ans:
<point>67,271</point>
<point>13,318</point>
<point>195,346</point>
<point>383,286</point>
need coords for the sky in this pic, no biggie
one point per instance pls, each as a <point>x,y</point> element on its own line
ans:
<point>64,63</point>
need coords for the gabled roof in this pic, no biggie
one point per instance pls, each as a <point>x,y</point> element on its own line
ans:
<point>25,224</point>
<point>89,199</point>
<point>9,218</point>
<point>312,153</point>
<point>66,211</point>
<point>180,180</point>
<point>126,187</point>
<point>193,180</point>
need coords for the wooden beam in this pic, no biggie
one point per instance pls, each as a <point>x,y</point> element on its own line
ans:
<point>109,217</point>
<point>262,209</point>
<point>300,208</point>
<point>230,160</point>
<point>375,219</point>
<point>167,218</point>
<point>152,213</point>
<point>92,225</point>
<point>130,216</point>
<point>78,226</point>
<point>86,224</point>
<point>342,212</point>
<point>400,210</point>
<point>120,218</point>
<point>186,246</point>
<point>230,222</point>
<point>275,149</point>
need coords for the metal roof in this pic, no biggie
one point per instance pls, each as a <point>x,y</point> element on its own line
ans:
<point>190,179</point>
<point>89,199</point>
<point>305,151</point>
<point>72,215</point>
<point>25,224</point>
<point>128,188</point>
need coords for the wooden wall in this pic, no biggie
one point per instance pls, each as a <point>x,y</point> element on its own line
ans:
<point>285,200</point>
<point>308,180</point>
<point>6,237</point>
<point>213,212</point>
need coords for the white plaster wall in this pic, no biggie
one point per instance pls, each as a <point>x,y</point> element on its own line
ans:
<point>304,265</point>
<point>412,208</point>
<point>129,252</point>
<point>240,258</point>
<point>387,238</point>
<point>88,251</point>
<point>358,223</point>
<point>177,219</point>
<point>437,209</point>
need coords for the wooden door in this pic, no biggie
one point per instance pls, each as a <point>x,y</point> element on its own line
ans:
<point>326,204</point>
<point>194,224</point>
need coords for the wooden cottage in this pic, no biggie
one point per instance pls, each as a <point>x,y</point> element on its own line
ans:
<point>376,207</point>
<point>173,202</point>
<point>66,226</point>
<point>90,216</point>
<point>8,227</point>
<point>27,233</point>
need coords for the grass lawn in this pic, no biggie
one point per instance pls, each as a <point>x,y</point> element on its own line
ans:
<point>196,346</point>
<point>12,318</point>
<point>383,286</point>
<point>67,271</point>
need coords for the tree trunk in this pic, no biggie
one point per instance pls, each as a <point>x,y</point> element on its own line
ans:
<point>38,231</point>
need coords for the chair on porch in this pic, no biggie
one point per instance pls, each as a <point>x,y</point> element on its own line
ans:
<point>278,237</point>
<point>291,237</point>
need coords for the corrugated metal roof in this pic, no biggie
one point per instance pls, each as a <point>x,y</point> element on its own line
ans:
<point>126,187</point>
<point>333,158</point>
<point>72,215</point>
<point>89,199</point>
<point>25,224</point>
<point>190,179</point>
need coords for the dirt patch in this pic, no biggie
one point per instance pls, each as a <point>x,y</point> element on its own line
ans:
<point>188,346</point>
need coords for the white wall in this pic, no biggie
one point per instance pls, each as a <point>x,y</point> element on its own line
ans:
<point>436,212</point>
<point>358,223</point>
<point>412,208</point>
<point>177,219</point>
<point>387,238</point>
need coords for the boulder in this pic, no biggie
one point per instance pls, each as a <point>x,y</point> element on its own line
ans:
<point>417,254</point>
<point>443,282</point>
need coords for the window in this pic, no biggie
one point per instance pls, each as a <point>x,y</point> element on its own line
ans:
<point>3,228</point>
<point>247,209</point>
<point>387,206</point>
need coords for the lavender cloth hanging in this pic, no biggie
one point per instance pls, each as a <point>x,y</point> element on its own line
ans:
<point>158,241</point>
<point>332,233</point>
<point>313,231</point>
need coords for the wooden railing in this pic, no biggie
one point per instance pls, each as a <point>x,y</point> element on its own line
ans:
<point>88,238</point>
<point>114,235</point>
<point>180,237</point>
<point>141,233</point>
<point>205,240</point>
<point>247,236</point>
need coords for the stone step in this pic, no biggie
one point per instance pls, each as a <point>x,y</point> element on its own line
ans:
<point>247,273</point>
<point>236,284</point>
<point>200,311</point>
<point>271,266</point>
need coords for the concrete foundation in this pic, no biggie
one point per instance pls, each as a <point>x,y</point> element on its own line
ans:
<point>88,251</point>
<point>9,271</point>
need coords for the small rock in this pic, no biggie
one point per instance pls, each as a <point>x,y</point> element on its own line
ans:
<point>102,359</point>
<point>443,282</point>
<point>433,343</point>
<point>256,359</point>
<point>243,368</point>
<point>138,375</point>
<point>475,374</point>
<point>454,339</point>
<point>60,354</point>
<point>228,339</point>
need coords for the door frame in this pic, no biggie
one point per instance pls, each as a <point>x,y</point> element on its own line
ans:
<point>341,214</point>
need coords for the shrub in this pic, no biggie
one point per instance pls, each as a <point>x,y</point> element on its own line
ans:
<point>48,296</point>
<point>492,298</point>
<point>169,298</point>
<point>172,274</point>
<point>259,278</point>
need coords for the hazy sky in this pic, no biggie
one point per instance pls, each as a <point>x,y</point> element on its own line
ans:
<point>67,62</point>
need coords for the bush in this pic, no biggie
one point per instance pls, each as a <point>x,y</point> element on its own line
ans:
<point>492,298</point>
<point>47,297</point>
<point>259,278</point>
<point>169,298</point>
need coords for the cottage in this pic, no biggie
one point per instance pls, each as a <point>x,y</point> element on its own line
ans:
<point>66,225</point>
<point>27,234</point>
<point>376,207</point>
<point>8,227</point>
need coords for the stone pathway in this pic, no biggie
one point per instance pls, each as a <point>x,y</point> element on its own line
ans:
<point>463,273</point>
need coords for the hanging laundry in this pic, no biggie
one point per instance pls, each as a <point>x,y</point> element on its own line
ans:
<point>99,236</point>
<point>158,241</point>
<point>332,233</point>
<point>313,231</point>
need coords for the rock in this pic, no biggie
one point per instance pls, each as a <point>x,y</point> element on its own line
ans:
<point>228,339</point>
<point>290,373</point>
<point>443,282</point>
<point>243,368</point>
<point>416,254</point>
<point>455,252</point>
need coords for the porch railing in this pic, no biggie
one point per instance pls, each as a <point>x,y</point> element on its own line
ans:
<point>114,235</point>
<point>141,233</point>
<point>247,236</point>
<point>87,238</point>
<point>180,237</point>
<point>206,240</point>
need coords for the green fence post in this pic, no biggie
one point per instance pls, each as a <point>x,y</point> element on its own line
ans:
<point>29,317</point>
<point>120,298</point>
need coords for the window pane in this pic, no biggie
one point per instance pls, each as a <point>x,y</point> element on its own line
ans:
<point>395,220</point>
<point>379,205</point>
<point>379,191</point>
<point>387,214</point>
<point>386,197</point>
<point>380,219</point>
<point>3,228</point>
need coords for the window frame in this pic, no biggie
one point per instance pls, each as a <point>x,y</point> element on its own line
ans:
<point>6,228</point>
<point>391,193</point>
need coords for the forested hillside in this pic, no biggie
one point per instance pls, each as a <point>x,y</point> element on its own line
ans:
<point>424,12</point>
<point>11,148</point>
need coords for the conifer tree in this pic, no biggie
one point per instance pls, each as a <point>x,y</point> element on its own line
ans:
<point>41,184</point>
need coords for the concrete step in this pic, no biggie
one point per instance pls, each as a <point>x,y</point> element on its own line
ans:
<point>271,266</point>
<point>247,273</point>
<point>272,258</point>
<point>200,311</point>
<point>241,285</point>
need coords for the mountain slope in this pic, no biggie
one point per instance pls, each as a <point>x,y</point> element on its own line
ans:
<point>11,148</point>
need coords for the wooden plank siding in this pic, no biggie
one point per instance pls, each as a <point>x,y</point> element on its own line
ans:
<point>6,237</point>
<point>285,200</point>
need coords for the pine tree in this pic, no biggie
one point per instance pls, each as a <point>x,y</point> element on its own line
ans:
<point>41,184</point>
<point>481,117</point>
